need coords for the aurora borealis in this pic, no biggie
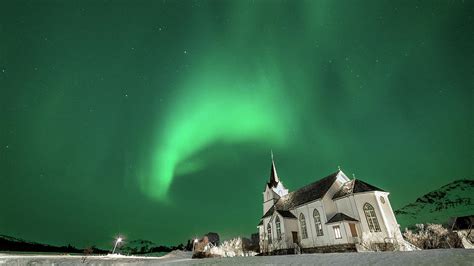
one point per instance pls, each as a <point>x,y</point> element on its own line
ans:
<point>155,119</point>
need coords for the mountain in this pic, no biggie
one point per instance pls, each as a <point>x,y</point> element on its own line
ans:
<point>142,247</point>
<point>8,243</point>
<point>439,206</point>
<point>137,247</point>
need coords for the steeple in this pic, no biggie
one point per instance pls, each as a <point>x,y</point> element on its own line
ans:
<point>274,180</point>
<point>274,189</point>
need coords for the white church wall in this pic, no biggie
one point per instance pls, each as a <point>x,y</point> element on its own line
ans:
<point>278,243</point>
<point>343,230</point>
<point>325,239</point>
<point>344,205</point>
<point>371,198</point>
<point>330,207</point>
<point>291,225</point>
<point>269,199</point>
<point>304,242</point>
<point>389,216</point>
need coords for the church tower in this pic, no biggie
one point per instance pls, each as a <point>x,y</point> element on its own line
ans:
<point>273,190</point>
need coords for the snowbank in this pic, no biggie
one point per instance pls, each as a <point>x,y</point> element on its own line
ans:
<point>422,257</point>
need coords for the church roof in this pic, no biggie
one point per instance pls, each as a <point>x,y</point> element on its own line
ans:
<point>311,192</point>
<point>338,217</point>
<point>353,187</point>
<point>260,223</point>
<point>269,212</point>
<point>286,214</point>
<point>308,193</point>
<point>283,213</point>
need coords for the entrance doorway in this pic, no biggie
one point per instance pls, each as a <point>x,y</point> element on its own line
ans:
<point>295,237</point>
<point>353,229</point>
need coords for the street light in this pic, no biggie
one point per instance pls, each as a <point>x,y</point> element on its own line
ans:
<point>116,243</point>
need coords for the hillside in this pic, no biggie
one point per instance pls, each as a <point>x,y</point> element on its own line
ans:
<point>440,205</point>
<point>8,243</point>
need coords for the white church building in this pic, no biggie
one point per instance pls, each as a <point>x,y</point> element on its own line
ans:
<point>333,214</point>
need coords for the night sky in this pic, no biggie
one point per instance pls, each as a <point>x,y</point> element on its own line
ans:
<point>155,119</point>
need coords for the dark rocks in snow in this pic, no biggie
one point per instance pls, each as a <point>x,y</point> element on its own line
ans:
<point>213,238</point>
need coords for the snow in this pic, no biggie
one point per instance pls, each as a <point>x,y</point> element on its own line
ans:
<point>422,257</point>
<point>451,200</point>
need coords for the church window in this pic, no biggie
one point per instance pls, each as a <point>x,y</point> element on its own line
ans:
<point>337,232</point>
<point>371,218</point>
<point>269,231</point>
<point>317,222</point>
<point>278,227</point>
<point>304,231</point>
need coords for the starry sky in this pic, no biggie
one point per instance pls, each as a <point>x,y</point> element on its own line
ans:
<point>155,119</point>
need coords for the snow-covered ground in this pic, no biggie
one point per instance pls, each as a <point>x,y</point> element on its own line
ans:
<point>423,257</point>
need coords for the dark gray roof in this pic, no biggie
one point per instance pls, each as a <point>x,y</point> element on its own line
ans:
<point>286,214</point>
<point>308,193</point>
<point>260,223</point>
<point>283,213</point>
<point>341,217</point>
<point>353,187</point>
<point>463,223</point>
<point>269,212</point>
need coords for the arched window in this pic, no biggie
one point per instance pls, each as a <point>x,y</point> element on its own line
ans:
<point>269,231</point>
<point>371,218</point>
<point>317,223</point>
<point>278,227</point>
<point>304,232</point>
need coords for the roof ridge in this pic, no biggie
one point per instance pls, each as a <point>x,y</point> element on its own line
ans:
<point>320,180</point>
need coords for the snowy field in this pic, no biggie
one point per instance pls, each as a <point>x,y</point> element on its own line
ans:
<point>449,257</point>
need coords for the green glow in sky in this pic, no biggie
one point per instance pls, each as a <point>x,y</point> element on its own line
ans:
<point>216,105</point>
<point>145,117</point>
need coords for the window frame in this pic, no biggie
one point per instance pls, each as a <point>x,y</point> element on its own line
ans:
<point>278,227</point>
<point>304,229</point>
<point>269,233</point>
<point>318,222</point>
<point>371,217</point>
<point>337,232</point>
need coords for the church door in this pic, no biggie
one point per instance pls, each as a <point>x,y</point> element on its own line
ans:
<point>353,229</point>
<point>295,237</point>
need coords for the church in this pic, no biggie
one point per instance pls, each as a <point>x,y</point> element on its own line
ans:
<point>333,214</point>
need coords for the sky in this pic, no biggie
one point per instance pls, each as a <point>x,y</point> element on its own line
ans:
<point>155,119</point>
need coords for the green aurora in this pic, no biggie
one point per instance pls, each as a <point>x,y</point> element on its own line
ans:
<point>155,119</point>
<point>213,106</point>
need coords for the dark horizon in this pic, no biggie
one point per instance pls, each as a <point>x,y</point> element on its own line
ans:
<point>155,120</point>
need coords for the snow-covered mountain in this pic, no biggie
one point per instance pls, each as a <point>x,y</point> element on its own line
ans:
<point>137,247</point>
<point>439,206</point>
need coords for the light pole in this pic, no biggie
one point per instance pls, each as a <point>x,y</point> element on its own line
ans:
<point>116,243</point>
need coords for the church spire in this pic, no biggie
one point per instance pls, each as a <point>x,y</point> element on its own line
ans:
<point>274,180</point>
